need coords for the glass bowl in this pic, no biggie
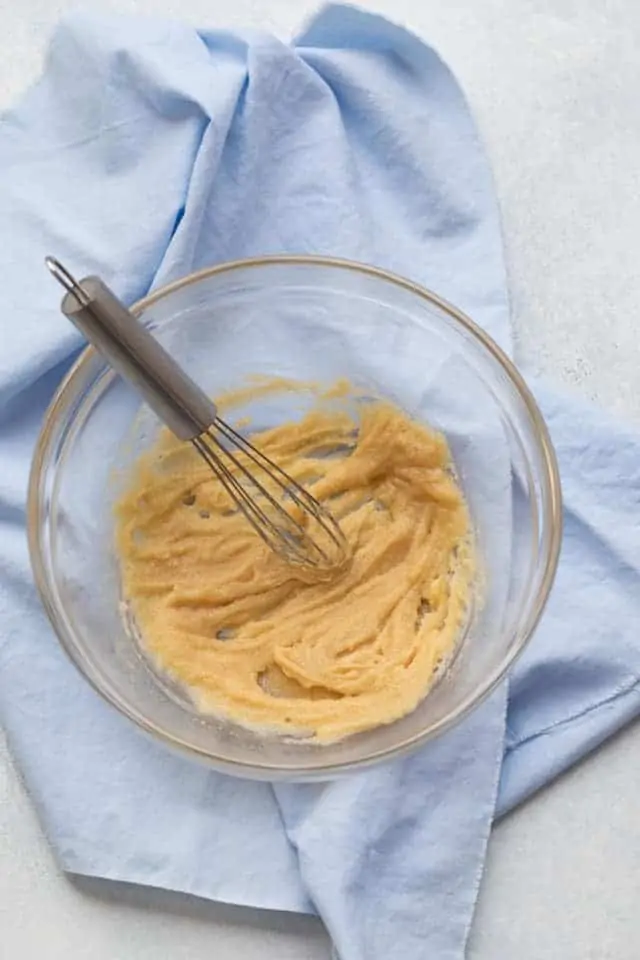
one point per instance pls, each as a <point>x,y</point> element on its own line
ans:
<point>319,319</point>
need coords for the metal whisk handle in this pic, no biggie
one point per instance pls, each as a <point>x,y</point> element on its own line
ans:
<point>135,353</point>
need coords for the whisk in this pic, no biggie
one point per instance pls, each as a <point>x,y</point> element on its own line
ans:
<point>289,519</point>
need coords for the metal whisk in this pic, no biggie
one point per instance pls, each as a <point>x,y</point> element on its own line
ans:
<point>289,520</point>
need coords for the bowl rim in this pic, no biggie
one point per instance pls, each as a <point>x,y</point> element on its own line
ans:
<point>315,768</point>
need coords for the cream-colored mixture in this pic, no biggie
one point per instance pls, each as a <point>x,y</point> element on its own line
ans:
<point>222,614</point>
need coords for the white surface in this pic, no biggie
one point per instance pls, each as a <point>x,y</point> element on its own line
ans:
<point>553,84</point>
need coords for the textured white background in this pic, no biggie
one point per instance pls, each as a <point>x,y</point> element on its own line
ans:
<point>554,87</point>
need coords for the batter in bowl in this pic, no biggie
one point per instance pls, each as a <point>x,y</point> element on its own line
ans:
<point>221,614</point>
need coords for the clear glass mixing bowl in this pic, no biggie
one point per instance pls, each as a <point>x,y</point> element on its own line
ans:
<point>319,319</point>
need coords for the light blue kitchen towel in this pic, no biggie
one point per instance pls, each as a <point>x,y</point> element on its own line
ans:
<point>150,149</point>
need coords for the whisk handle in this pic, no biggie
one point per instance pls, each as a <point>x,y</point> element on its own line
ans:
<point>138,357</point>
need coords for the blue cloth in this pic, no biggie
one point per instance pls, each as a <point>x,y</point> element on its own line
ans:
<point>148,150</point>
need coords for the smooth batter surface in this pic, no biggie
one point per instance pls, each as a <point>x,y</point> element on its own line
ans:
<point>220,613</point>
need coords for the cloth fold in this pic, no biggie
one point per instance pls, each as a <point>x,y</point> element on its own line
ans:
<point>147,150</point>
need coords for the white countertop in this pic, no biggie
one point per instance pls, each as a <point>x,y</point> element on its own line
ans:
<point>554,86</point>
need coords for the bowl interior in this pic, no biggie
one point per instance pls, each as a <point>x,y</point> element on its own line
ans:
<point>307,321</point>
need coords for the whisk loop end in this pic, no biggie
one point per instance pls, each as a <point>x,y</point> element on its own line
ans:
<point>291,522</point>
<point>303,533</point>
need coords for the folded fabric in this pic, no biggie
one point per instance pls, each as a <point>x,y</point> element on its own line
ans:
<point>149,150</point>
<point>578,682</point>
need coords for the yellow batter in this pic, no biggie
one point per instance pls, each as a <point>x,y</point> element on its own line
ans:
<point>222,614</point>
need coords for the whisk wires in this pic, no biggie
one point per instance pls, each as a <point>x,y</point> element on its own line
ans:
<point>319,545</point>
